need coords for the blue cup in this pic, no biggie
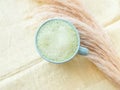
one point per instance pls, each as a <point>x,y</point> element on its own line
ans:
<point>80,50</point>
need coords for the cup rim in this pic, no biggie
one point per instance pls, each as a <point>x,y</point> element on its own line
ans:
<point>50,60</point>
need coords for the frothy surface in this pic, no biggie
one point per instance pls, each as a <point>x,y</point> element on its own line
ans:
<point>57,40</point>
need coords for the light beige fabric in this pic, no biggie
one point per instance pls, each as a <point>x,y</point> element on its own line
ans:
<point>105,11</point>
<point>21,68</point>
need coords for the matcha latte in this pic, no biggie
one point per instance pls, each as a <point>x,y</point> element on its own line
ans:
<point>57,40</point>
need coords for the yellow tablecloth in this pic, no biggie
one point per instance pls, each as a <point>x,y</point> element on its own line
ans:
<point>21,68</point>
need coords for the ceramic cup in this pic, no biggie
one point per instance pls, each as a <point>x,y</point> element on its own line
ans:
<point>79,49</point>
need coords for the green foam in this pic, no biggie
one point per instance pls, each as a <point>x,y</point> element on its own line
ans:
<point>57,40</point>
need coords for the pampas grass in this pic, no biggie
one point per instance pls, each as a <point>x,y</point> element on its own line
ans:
<point>102,53</point>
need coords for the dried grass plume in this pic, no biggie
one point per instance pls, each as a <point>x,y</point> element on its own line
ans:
<point>92,35</point>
